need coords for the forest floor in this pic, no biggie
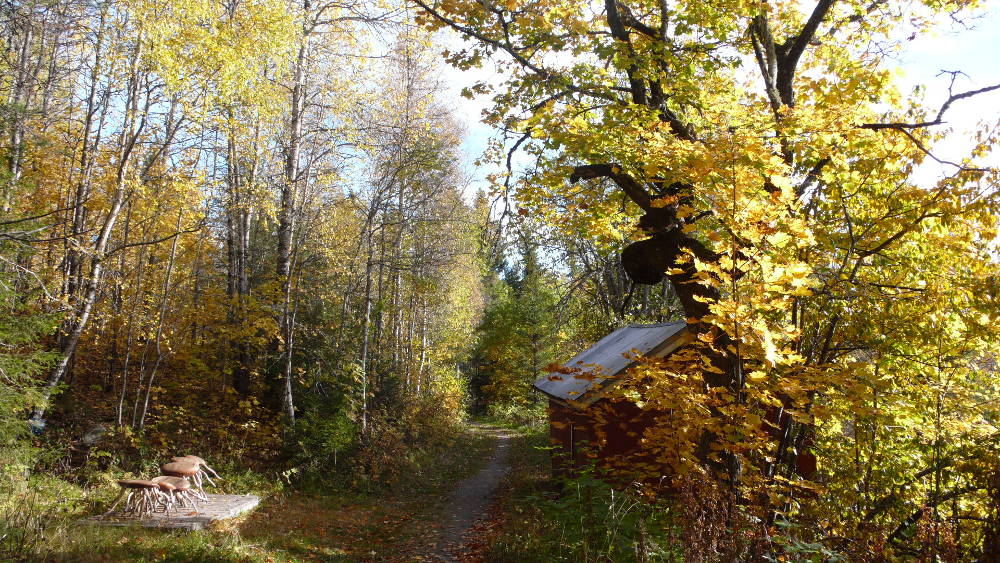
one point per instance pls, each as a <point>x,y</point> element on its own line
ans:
<point>443,512</point>
<point>435,520</point>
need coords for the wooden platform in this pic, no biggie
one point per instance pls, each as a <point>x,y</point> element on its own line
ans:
<point>218,507</point>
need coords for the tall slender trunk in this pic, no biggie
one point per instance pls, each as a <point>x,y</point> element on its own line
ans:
<point>159,323</point>
<point>423,344</point>
<point>18,100</point>
<point>377,344</point>
<point>397,322</point>
<point>286,229</point>
<point>128,139</point>
<point>117,307</point>
<point>196,290</point>
<point>73,270</point>
<point>409,342</point>
<point>397,289</point>
<point>238,220</point>
<point>130,334</point>
<point>364,339</point>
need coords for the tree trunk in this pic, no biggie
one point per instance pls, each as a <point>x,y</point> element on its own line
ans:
<point>991,531</point>
<point>366,323</point>
<point>129,136</point>
<point>159,323</point>
<point>239,217</point>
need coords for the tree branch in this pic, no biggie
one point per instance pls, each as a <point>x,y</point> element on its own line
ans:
<point>890,499</point>
<point>792,51</point>
<point>920,145</point>
<point>193,229</point>
<point>627,183</point>
<point>628,19</point>
<point>811,177</point>
<point>508,48</point>
<point>767,58</point>
<point>912,519</point>
<point>939,119</point>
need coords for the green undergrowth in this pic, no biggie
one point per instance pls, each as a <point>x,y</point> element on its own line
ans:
<point>579,520</point>
<point>527,418</point>
<point>322,518</point>
<point>583,519</point>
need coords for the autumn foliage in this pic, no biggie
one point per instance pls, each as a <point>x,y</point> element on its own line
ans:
<point>840,276</point>
<point>228,229</point>
<point>248,228</point>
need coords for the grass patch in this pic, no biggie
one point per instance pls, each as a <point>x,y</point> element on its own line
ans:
<point>581,520</point>
<point>324,522</point>
<point>82,543</point>
<point>394,524</point>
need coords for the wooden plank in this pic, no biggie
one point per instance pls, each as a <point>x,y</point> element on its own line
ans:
<point>218,507</point>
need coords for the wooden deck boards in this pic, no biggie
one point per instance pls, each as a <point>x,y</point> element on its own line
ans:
<point>218,507</point>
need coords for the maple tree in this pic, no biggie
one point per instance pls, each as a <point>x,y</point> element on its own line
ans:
<point>769,163</point>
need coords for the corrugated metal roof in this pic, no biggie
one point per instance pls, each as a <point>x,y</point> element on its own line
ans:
<point>607,359</point>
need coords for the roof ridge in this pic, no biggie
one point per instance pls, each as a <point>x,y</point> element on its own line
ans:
<point>608,357</point>
<point>650,325</point>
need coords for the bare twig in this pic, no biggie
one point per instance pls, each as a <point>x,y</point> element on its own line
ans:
<point>939,118</point>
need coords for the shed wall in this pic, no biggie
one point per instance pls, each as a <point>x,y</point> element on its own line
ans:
<point>578,441</point>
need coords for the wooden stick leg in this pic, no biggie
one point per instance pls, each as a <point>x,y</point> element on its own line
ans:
<point>188,496</point>
<point>129,507</point>
<point>172,502</point>
<point>198,490</point>
<point>149,496</point>
<point>204,475</point>
<point>121,494</point>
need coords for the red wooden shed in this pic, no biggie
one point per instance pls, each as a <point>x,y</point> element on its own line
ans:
<point>582,386</point>
<point>590,375</point>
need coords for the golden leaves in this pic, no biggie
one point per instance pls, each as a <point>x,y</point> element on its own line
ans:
<point>199,46</point>
<point>665,201</point>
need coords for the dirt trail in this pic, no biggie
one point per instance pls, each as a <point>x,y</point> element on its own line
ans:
<point>471,500</point>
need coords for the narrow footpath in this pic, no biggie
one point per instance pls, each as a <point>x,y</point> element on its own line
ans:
<point>471,501</point>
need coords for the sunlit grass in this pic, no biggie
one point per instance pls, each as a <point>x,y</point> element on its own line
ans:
<point>326,521</point>
<point>539,523</point>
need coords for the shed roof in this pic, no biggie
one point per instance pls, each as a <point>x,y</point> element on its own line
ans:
<point>607,359</point>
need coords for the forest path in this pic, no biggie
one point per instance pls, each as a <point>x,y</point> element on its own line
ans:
<point>471,500</point>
